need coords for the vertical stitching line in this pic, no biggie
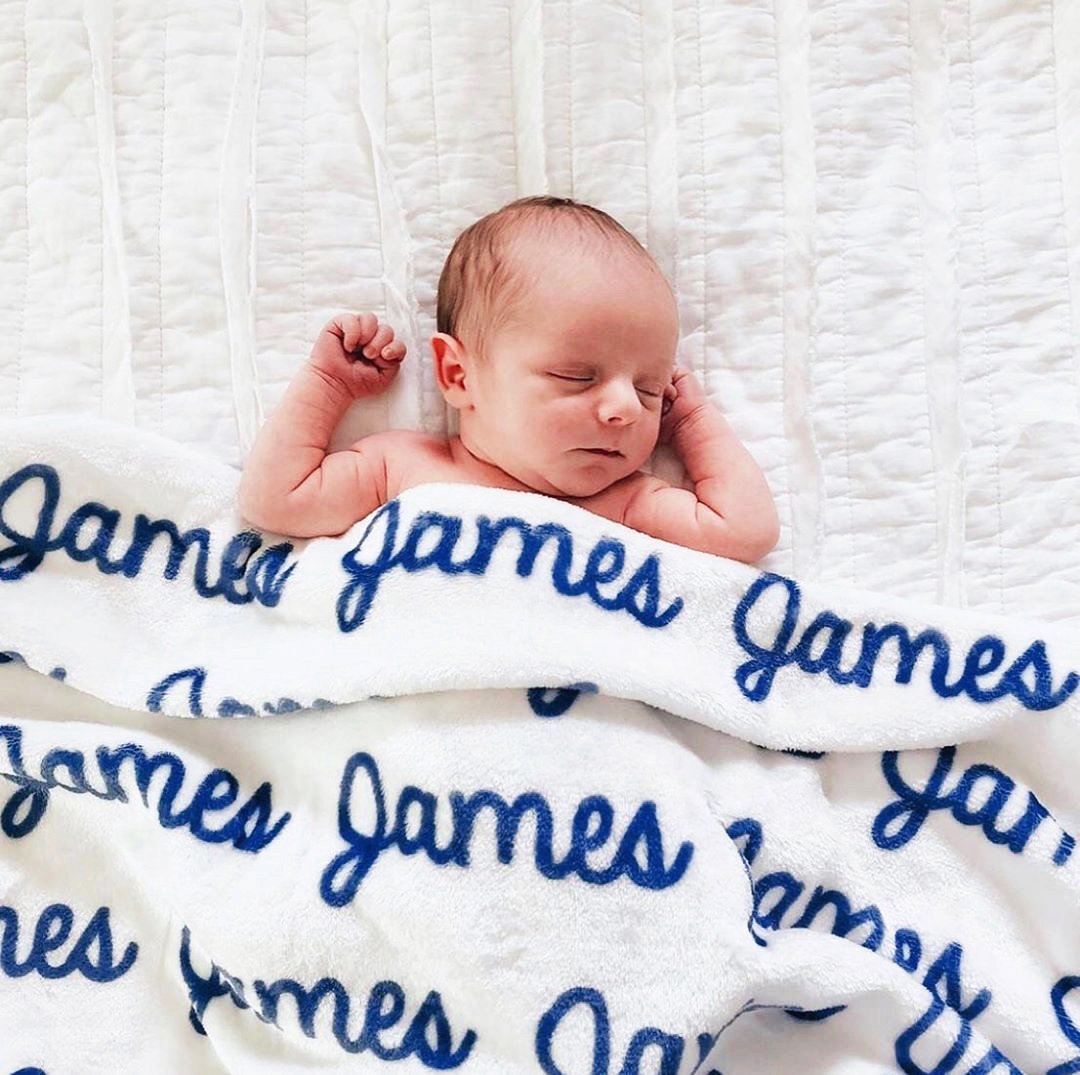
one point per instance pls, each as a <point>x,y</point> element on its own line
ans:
<point>645,113</point>
<point>386,76</point>
<point>676,238</point>
<point>26,205</point>
<point>447,418</point>
<point>253,246</point>
<point>570,89</point>
<point>303,185</point>
<point>842,126</point>
<point>704,366</point>
<point>161,219</point>
<point>938,548</point>
<point>111,102</point>
<point>985,313</point>
<point>781,242</point>
<point>435,119</point>
<point>677,229</point>
<point>1070,286</point>
<point>378,199</point>
<point>513,100</point>
<point>101,209</point>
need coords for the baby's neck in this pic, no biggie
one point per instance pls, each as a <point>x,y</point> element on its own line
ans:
<point>481,470</point>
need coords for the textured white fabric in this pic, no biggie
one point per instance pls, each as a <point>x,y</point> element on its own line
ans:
<point>870,212</point>
<point>283,891</point>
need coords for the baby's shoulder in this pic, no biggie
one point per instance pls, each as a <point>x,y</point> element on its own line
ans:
<point>614,502</point>
<point>405,440</point>
<point>411,458</point>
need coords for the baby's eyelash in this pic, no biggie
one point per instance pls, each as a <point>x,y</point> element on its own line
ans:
<point>582,380</point>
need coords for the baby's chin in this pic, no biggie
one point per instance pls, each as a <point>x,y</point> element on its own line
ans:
<point>572,479</point>
<point>586,483</point>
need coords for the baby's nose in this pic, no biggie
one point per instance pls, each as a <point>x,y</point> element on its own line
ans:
<point>620,403</point>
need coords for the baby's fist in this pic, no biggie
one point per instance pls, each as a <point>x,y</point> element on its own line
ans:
<point>684,400</point>
<point>359,354</point>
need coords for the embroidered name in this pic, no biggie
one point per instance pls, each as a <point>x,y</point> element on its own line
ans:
<point>202,989</point>
<point>590,830</point>
<point>555,701</point>
<point>942,977</point>
<point>248,829</point>
<point>1061,989</point>
<point>755,676</point>
<point>91,955</point>
<point>195,681</point>
<point>639,596</point>
<point>89,532</point>
<point>899,821</point>
<point>670,1047</point>
<point>957,1053</point>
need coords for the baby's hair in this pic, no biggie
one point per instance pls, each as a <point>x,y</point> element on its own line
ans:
<point>482,280</point>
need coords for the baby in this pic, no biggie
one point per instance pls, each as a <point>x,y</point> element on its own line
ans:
<point>556,343</point>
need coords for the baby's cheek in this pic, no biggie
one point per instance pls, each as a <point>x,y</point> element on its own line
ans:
<point>561,418</point>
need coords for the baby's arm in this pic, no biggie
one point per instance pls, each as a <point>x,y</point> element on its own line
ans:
<point>731,510</point>
<point>291,484</point>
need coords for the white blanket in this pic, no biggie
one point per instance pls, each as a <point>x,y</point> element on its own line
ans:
<point>524,790</point>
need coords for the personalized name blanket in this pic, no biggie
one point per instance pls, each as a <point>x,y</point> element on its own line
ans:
<point>491,784</point>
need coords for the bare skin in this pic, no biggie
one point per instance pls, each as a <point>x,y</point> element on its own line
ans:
<point>585,363</point>
<point>420,459</point>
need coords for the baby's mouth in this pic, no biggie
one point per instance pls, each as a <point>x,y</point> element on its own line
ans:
<point>602,451</point>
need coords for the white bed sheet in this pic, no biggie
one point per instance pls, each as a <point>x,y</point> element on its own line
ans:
<point>870,211</point>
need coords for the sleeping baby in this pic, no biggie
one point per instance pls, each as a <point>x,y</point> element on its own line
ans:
<point>556,343</point>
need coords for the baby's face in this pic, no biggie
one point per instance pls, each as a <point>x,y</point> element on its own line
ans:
<point>582,366</point>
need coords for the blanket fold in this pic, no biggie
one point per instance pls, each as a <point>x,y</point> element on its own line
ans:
<point>489,783</point>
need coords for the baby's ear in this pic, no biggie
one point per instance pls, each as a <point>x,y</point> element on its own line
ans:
<point>447,359</point>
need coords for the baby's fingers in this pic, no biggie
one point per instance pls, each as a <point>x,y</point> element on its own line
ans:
<point>671,393</point>
<point>394,352</point>
<point>381,338</point>
<point>354,330</point>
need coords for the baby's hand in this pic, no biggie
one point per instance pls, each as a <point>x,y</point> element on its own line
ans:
<point>684,401</point>
<point>359,354</point>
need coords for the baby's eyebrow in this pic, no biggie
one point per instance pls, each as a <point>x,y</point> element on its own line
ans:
<point>662,370</point>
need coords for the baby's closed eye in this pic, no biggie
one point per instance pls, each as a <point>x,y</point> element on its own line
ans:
<point>649,391</point>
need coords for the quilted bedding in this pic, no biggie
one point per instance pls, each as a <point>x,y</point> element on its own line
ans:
<point>870,212</point>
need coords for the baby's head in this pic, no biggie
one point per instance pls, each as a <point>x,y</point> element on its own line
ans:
<point>556,334</point>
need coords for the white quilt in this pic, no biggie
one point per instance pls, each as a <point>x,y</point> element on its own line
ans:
<point>562,798</point>
<point>869,209</point>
